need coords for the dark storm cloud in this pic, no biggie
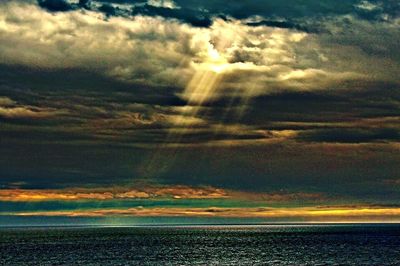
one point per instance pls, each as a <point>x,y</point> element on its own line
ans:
<point>347,170</point>
<point>351,170</point>
<point>111,8</point>
<point>351,135</point>
<point>282,24</point>
<point>56,5</point>
<point>195,18</point>
<point>57,83</point>
<point>328,107</point>
<point>240,9</point>
<point>122,114</point>
<point>295,15</point>
<point>298,15</point>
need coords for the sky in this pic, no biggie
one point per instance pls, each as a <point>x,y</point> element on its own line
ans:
<point>268,110</point>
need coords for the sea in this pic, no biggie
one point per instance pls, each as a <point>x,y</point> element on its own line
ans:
<point>277,244</point>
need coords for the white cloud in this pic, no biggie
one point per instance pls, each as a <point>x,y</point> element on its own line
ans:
<point>163,3</point>
<point>368,6</point>
<point>11,109</point>
<point>5,102</point>
<point>229,58</point>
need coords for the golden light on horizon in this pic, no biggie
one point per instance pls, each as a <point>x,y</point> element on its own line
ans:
<point>306,214</point>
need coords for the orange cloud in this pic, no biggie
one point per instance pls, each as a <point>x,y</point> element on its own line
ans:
<point>148,192</point>
<point>177,192</point>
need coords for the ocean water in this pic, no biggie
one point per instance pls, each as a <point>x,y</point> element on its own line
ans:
<point>202,245</point>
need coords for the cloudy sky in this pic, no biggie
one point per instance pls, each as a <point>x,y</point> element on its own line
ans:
<point>278,110</point>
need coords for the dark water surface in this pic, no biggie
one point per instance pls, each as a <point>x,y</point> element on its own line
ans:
<point>208,245</point>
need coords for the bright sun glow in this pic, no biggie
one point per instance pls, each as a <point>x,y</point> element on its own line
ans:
<point>216,62</point>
